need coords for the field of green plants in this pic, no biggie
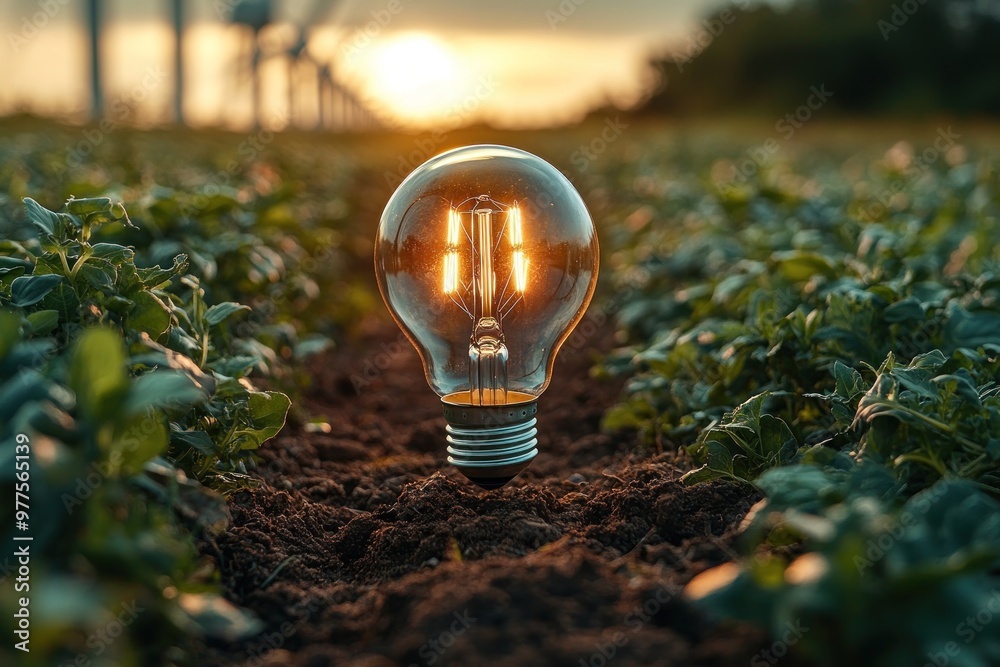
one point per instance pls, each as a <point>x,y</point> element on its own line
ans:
<point>829,331</point>
<point>820,327</point>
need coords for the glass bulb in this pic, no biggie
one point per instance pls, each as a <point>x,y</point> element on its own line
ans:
<point>487,258</point>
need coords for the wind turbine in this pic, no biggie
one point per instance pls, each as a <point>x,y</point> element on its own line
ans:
<point>96,88</point>
<point>257,14</point>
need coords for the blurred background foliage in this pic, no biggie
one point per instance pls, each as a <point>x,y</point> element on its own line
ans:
<point>884,57</point>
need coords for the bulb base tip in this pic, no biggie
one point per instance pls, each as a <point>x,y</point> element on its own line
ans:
<point>491,444</point>
<point>489,483</point>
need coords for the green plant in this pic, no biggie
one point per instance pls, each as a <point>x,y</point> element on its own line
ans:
<point>65,283</point>
<point>127,394</point>
<point>845,363</point>
<point>935,417</point>
<point>758,329</point>
<point>881,581</point>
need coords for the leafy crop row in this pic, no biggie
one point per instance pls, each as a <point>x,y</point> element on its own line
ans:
<point>133,393</point>
<point>810,334</point>
<point>133,354</point>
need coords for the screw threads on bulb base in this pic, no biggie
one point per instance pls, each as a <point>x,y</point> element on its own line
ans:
<point>491,444</point>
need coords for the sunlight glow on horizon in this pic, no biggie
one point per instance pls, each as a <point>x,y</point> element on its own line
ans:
<point>413,76</point>
<point>414,79</point>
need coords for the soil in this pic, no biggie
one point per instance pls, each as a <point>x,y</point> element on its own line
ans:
<point>360,546</point>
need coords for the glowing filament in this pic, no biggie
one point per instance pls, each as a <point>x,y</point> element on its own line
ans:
<point>490,302</point>
<point>451,273</point>
<point>484,245</point>
<point>519,261</point>
<point>451,254</point>
<point>520,271</point>
<point>514,223</point>
<point>454,224</point>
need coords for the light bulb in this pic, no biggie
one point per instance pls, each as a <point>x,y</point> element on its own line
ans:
<point>487,258</point>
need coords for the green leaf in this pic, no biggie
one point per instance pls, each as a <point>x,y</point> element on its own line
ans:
<point>161,355</point>
<point>162,389</point>
<point>267,411</point>
<point>48,222</point>
<point>137,439</point>
<point>235,367</point>
<point>26,354</point>
<point>119,213</point>
<point>29,290</point>
<point>101,278</point>
<point>916,381</point>
<point>88,205</point>
<point>907,310</point>
<point>10,332</point>
<point>27,386</point>
<point>310,345</point>
<point>963,387</point>
<point>932,360</point>
<point>699,475</point>
<point>148,315</point>
<point>112,252</point>
<point>797,266</point>
<point>748,412</point>
<point>11,263</point>
<point>849,381</point>
<point>64,300</point>
<point>97,373</point>
<point>971,329</point>
<point>43,321</point>
<point>775,436</point>
<point>220,311</point>
<point>98,210</point>
<point>156,276</point>
<point>9,273</point>
<point>197,440</point>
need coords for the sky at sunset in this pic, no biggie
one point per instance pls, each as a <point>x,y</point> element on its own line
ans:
<point>426,63</point>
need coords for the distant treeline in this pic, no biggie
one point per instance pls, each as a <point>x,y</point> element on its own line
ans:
<point>874,56</point>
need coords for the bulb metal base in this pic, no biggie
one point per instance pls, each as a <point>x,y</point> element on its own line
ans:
<point>491,444</point>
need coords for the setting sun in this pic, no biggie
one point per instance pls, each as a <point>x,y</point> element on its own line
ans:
<point>415,76</point>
